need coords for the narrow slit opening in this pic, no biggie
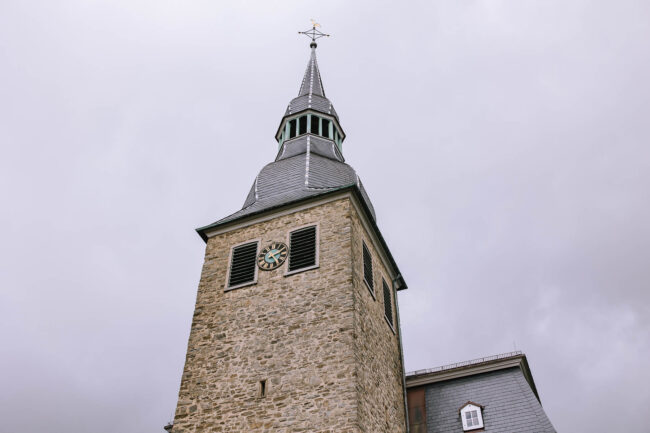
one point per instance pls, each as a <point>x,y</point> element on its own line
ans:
<point>263,388</point>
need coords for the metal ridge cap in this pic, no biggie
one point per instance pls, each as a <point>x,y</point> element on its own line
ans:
<point>468,368</point>
<point>470,362</point>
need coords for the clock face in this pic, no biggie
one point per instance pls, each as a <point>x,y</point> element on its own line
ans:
<point>272,256</point>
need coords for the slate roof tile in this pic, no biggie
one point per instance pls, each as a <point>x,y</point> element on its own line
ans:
<point>299,173</point>
<point>510,404</point>
<point>305,167</point>
<point>311,93</point>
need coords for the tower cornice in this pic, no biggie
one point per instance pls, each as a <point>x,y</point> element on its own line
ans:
<point>351,191</point>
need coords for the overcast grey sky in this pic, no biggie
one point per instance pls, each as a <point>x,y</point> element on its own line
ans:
<point>504,145</point>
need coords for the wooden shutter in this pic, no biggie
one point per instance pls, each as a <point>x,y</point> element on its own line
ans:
<point>242,264</point>
<point>302,248</point>
<point>388,303</point>
<point>367,268</point>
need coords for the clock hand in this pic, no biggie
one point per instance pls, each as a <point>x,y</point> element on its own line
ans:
<point>272,254</point>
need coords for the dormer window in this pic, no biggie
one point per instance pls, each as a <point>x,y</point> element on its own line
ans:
<point>471,415</point>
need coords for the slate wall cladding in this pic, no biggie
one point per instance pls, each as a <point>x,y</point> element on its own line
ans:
<point>330,360</point>
<point>510,405</point>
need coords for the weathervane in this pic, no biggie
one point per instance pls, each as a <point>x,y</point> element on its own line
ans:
<point>314,33</point>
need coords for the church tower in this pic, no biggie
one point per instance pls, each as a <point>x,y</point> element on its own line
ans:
<point>296,327</point>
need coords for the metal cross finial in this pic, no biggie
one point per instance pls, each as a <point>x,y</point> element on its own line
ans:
<point>314,33</point>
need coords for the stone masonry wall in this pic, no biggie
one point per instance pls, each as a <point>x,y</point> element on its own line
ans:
<point>317,337</point>
<point>295,332</point>
<point>379,362</point>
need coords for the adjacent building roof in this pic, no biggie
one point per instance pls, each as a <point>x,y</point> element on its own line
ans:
<point>503,385</point>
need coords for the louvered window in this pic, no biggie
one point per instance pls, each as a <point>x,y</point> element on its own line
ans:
<point>388,303</point>
<point>242,264</point>
<point>367,269</point>
<point>302,248</point>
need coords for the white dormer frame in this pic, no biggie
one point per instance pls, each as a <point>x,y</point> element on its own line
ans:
<point>471,415</point>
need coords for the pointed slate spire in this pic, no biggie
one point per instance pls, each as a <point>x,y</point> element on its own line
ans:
<point>312,83</point>
<point>312,93</point>
<point>309,162</point>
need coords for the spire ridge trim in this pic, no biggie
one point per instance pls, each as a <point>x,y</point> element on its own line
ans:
<point>312,84</point>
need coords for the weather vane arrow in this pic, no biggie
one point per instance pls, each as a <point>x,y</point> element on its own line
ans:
<point>314,33</point>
